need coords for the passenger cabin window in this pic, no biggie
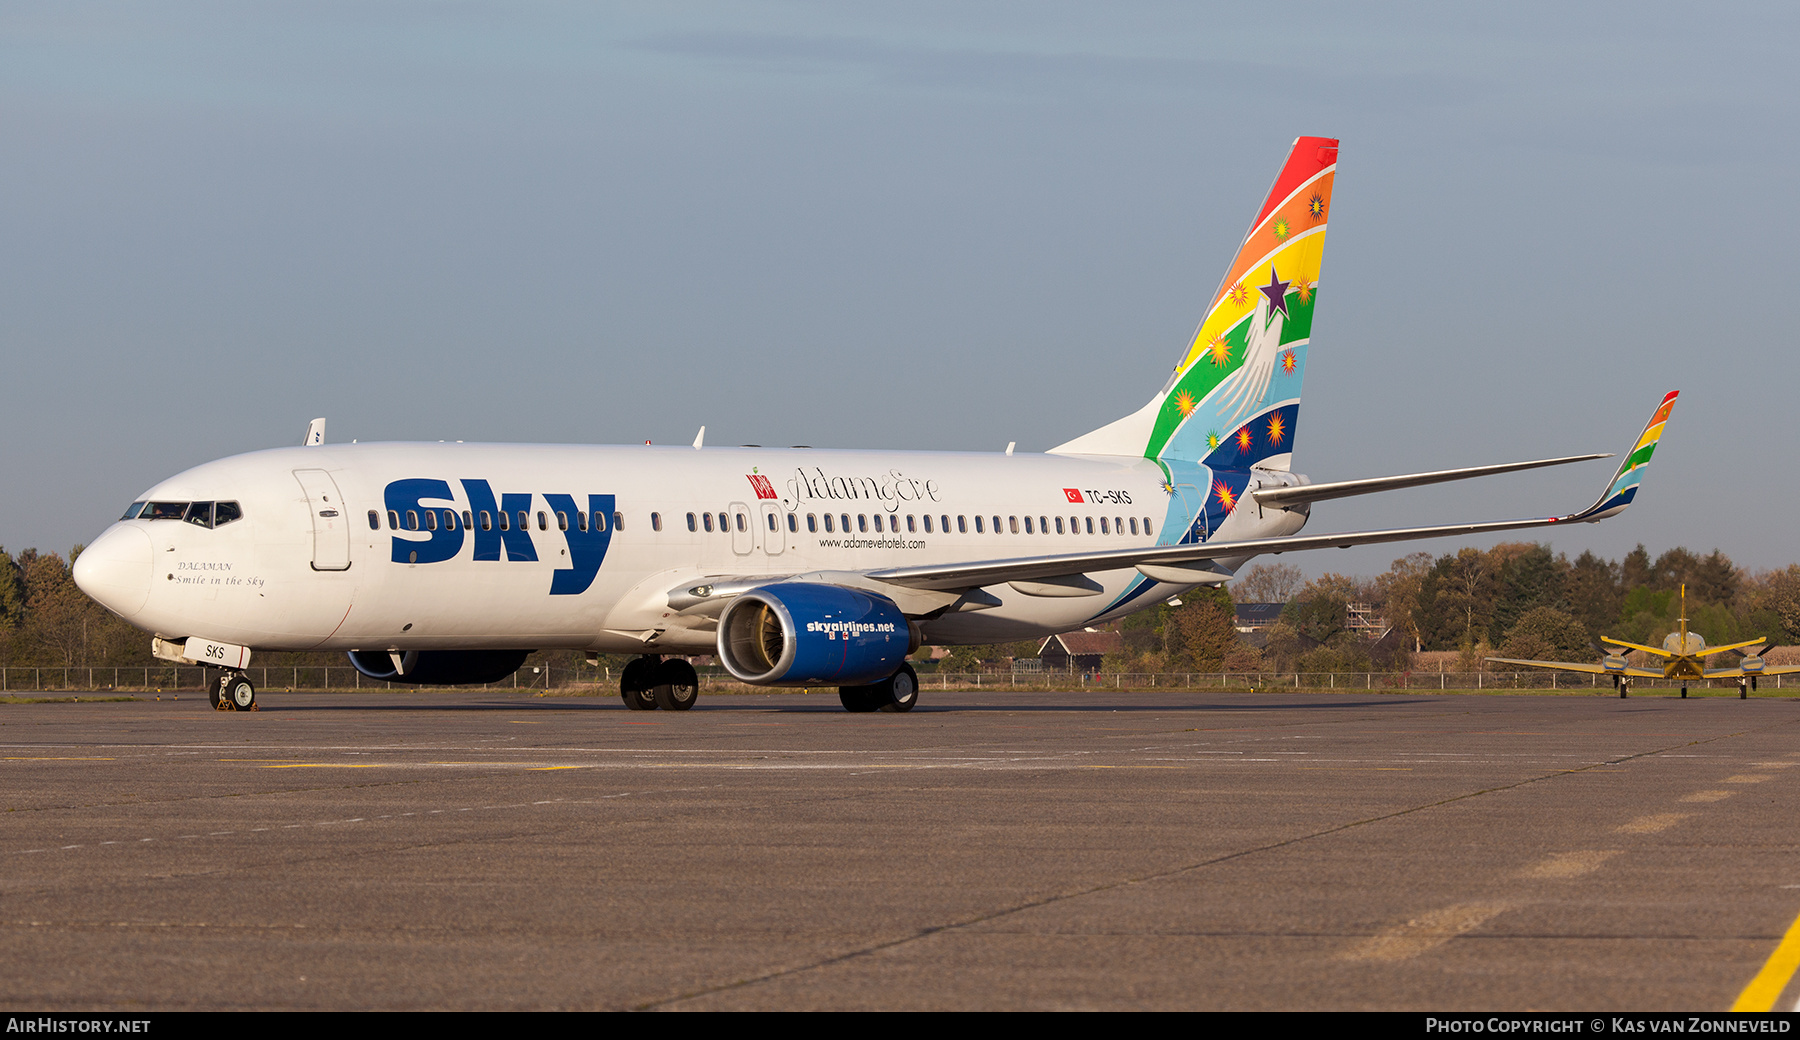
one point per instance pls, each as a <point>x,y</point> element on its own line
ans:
<point>844,521</point>
<point>927,523</point>
<point>543,521</point>
<point>743,523</point>
<point>1012,523</point>
<point>978,529</point>
<point>581,521</point>
<point>794,523</point>
<point>655,521</point>
<point>828,528</point>
<point>449,519</point>
<point>505,521</point>
<point>1134,525</point>
<point>910,529</point>
<point>562,520</point>
<point>412,520</point>
<point>812,523</point>
<point>1103,529</point>
<point>962,524</point>
<point>997,525</point>
<point>374,520</point>
<point>487,520</point>
<point>393,520</point>
<point>1090,525</point>
<point>724,523</point>
<point>618,521</point>
<point>709,526</point>
<point>691,526</point>
<point>862,522</point>
<point>772,521</point>
<point>524,520</point>
<point>468,520</point>
<point>430,520</point>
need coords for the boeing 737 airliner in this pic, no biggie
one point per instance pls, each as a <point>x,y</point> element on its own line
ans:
<point>449,563</point>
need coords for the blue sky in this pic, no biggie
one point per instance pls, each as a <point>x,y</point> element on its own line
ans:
<point>912,225</point>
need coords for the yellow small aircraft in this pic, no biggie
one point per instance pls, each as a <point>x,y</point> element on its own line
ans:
<point>1684,657</point>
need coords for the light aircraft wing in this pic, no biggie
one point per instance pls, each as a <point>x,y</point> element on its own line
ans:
<point>1171,560</point>
<point>1734,672</point>
<point>1569,666</point>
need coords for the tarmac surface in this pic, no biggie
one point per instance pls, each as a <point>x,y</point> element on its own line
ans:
<point>492,850</point>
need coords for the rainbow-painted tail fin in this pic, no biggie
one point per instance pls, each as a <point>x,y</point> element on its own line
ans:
<point>1624,484</point>
<point>1236,390</point>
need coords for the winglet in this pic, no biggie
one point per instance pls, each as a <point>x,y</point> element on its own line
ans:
<point>1624,484</point>
<point>315,434</point>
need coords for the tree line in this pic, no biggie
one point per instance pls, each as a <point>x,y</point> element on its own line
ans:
<point>1517,599</point>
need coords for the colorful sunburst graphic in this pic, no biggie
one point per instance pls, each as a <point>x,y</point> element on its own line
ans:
<point>1213,440</point>
<point>1185,401</point>
<point>1222,491</point>
<point>1281,228</point>
<point>1219,351</point>
<point>1289,362</point>
<point>1245,441</point>
<point>1315,207</point>
<point>1237,294</point>
<point>1303,289</point>
<point>1168,488</point>
<point>1276,429</point>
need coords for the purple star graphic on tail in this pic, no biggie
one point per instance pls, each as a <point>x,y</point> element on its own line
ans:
<point>1276,291</point>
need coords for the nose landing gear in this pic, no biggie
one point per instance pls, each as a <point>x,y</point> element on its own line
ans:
<point>232,691</point>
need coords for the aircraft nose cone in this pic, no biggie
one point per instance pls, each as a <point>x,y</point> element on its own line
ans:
<point>116,570</point>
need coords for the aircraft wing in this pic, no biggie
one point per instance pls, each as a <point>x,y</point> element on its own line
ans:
<point>1195,558</point>
<point>1567,666</point>
<point>1733,673</point>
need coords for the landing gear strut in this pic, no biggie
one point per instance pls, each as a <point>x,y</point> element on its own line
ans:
<point>652,682</point>
<point>898,692</point>
<point>232,691</point>
<point>1623,686</point>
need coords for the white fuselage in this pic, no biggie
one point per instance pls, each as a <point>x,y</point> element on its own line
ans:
<point>327,564</point>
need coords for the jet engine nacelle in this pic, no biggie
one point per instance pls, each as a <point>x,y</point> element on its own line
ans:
<point>438,667</point>
<point>799,634</point>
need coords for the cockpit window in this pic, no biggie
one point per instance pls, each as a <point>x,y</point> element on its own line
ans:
<point>200,514</point>
<point>131,511</point>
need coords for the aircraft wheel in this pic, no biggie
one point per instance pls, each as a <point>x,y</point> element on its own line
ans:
<point>637,684</point>
<point>216,693</point>
<point>1743,689</point>
<point>240,693</point>
<point>901,690</point>
<point>1684,693</point>
<point>677,685</point>
<point>859,698</point>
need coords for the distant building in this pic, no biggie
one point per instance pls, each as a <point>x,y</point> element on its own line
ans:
<point>1079,651</point>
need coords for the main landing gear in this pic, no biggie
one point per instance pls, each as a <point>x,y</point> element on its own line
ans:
<point>654,682</point>
<point>898,692</point>
<point>232,691</point>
